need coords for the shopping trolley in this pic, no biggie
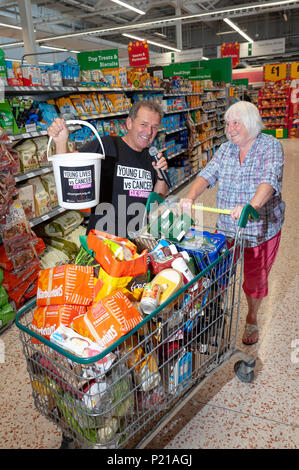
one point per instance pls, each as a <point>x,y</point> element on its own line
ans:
<point>123,396</point>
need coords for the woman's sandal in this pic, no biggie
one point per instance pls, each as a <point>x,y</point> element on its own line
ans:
<point>251,334</point>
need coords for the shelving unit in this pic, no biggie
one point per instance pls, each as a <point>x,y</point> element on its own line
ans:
<point>274,107</point>
<point>210,111</point>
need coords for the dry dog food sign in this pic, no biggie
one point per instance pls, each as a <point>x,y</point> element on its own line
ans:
<point>77,185</point>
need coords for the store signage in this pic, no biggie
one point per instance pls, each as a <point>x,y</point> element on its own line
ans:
<point>256,48</point>
<point>180,70</point>
<point>200,74</point>
<point>167,58</point>
<point>138,53</point>
<point>231,49</point>
<point>275,72</point>
<point>294,72</point>
<point>94,60</point>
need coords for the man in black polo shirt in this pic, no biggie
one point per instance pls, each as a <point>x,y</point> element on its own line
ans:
<point>128,174</point>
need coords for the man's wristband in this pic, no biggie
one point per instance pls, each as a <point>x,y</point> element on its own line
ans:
<point>160,179</point>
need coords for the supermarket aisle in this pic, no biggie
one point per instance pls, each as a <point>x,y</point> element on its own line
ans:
<point>225,413</point>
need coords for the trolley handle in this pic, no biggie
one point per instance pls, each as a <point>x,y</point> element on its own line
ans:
<point>248,211</point>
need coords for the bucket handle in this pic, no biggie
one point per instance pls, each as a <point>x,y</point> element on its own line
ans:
<point>82,123</point>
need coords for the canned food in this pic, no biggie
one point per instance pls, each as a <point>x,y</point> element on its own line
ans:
<point>150,298</point>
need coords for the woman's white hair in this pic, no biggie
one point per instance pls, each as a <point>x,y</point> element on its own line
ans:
<point>249,114</point>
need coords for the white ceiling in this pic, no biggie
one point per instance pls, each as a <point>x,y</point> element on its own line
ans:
<point>89,18</point>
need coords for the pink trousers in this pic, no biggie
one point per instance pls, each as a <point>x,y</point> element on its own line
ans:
<point>258,261</point>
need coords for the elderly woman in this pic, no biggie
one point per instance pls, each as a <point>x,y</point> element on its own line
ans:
<point>248,169</point>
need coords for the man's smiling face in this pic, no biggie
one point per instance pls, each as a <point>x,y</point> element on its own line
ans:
<point>143,130</point>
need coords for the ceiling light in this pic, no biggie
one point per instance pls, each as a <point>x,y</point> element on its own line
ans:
<point>225,32</point>
<point>232,25</point>
<point>253,6</point>
<point>160,34</point>
<point>152,42</point>
<point>126,5</point>
<point>10,26</point>
<point>75,52</point>
<point>54,48</point>
<point>204,58</point>
<point>12,44</point>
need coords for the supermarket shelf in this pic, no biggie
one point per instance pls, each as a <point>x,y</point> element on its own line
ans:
<point>183,93</point>
<point>175,130</point>
<point>29,135</point>
<point>32,174</point>
<point>183,110</point>
<point>203,122</point>
<point>185,180</point>
<point>169,157</point>
<point>82,88</point>
<point>214,89</point>
<point>103,116</point>
<point>28,90</point>
<point>49,215</point>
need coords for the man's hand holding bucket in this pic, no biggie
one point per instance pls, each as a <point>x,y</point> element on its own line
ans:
<point>59,132</point>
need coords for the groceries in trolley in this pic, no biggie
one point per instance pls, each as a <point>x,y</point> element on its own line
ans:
<point>123,329</point>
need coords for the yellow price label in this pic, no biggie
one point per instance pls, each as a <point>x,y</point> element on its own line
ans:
<point>294,70</point>
<point>275,72</point>
<point>279,133</point>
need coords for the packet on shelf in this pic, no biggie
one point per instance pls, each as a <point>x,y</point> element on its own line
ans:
<point>111,318</point>
<point>66,284</point>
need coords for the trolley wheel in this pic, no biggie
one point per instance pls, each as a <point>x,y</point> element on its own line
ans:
<point>66,442</point>
<point>244,371</point>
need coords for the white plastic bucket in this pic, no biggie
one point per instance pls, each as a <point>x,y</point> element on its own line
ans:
<point>77,175</point>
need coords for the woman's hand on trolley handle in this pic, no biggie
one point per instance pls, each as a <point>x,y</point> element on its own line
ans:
<point>236,212</point>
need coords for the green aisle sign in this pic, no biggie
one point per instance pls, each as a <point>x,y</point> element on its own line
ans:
<point>200,74</point>
<point>95,60</point>
<point>249,49</point>
<point>182,70</point>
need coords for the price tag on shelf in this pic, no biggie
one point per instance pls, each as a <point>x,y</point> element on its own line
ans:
<point>294,73</point>
<point>275,72</point>
<point>279,133</point>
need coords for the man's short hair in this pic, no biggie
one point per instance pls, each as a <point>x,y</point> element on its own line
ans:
<point>152,105</point>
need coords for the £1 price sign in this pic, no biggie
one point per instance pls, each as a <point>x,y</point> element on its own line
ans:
<point>294,70</point>
<point>275,72</point>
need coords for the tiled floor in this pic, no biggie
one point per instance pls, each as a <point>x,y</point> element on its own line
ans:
<point>225,412</point>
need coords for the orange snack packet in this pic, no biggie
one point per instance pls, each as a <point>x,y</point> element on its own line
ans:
<point>66,284</point>
<point>47,319</point>
<point>79,326</point>
<point>123,310</point>
<point>68,312</point>
<point>111,318</point>
<point>111,266</point>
